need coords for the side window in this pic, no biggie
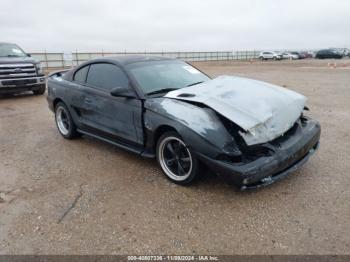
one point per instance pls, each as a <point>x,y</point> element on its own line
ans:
<point>80,75</point>
<point>106,76</point>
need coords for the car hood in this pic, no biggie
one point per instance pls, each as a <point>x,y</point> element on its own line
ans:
<point>17,60</point>
<point>264,111</point>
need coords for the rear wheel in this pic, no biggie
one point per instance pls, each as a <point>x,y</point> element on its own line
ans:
<point>64,121</point>
<point>40,90</point>
<point>177,162</point>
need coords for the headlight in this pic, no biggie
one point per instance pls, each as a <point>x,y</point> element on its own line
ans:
<point>39,69</point>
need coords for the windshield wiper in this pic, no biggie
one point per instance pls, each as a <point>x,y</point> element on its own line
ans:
<point>196,83</point>
<point>160,91</point>
<point>13,56</point>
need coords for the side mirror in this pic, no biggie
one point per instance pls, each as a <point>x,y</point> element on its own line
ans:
<point>122,92</point>
<point>29,55</point>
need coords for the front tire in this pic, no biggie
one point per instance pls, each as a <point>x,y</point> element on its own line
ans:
<point>64,121</point>
<point>177,162</point>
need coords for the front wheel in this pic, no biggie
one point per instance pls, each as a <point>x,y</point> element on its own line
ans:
<point>64,122</point>
<point>177,162</point>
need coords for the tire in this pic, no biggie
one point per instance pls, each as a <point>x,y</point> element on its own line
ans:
<point>177,162</point>
<point>261,58</point>
<point>64,122</point>
<point>40,90</point>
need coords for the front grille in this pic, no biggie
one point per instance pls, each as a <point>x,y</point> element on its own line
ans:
<point>9,71</point>
<point>18,82</point>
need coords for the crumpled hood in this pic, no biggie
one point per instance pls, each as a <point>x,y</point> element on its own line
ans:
<point>263,110</point>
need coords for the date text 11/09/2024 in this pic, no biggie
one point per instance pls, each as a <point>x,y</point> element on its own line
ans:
<point>173,258</point>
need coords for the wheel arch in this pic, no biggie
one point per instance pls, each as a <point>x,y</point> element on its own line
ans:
<point>56,101</point>
<point>160,131</point>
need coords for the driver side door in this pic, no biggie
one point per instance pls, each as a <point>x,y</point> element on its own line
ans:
<point>114,118</point>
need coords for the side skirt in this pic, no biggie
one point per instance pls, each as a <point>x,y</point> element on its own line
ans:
<point>139,151</point>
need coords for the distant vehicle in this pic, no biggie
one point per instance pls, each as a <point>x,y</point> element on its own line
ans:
<point>290,56</point>
<point>306,54</point>
<point>265,55</point>
<point>328,53</point>
<point>341,51</point>
<point>19,72</point>
<point>301,55</point>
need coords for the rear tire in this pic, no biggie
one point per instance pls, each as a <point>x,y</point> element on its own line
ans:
<point>177,162</point>
<point>40,91</point>
<point>64,121</point>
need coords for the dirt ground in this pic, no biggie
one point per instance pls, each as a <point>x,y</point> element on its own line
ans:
<point>88,197</point>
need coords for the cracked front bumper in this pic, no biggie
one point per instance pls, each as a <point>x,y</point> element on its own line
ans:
<point>289,155</point>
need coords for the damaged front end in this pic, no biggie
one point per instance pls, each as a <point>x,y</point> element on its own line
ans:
<point>271,136</point>
<point>263,164</point>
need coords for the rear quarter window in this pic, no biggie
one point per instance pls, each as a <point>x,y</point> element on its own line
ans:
<point>80,75</point>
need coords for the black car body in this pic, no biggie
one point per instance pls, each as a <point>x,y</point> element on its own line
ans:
<point>328,53</point>
<point>177,127</point>
<point>19,72</point>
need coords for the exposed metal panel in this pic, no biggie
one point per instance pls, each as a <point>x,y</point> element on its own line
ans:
<point>263,110</point>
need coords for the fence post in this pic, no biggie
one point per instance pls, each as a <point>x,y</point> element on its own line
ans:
<point>76,56</point>
<point>46,60</point>
<point>62,60</point>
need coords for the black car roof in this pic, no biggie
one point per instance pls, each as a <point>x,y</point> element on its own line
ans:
<point>130,59</point>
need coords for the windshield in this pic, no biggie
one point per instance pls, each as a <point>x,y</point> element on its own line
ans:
<point>11,50</point>
<point>163,76</point>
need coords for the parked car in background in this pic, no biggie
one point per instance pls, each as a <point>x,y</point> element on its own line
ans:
<point>265,55</point>
<point>328,53</point>
<point>341,51</point>
<point>19,72</point>
<point>299,54</point>
<point>289,55</point>
<point>306,54</point>
<point>249,132</point>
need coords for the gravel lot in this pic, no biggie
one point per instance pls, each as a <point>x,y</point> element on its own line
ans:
<point>88,197</point>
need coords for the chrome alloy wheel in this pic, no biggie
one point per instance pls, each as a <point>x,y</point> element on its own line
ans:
<point>62,120</point>
<point>175,158</point>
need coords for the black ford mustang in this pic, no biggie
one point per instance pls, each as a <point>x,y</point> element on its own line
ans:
<point>249,132</point>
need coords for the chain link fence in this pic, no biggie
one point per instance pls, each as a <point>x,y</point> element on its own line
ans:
<point>66,60</point>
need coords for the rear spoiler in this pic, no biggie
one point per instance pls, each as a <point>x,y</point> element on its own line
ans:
<point>58,73</point>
